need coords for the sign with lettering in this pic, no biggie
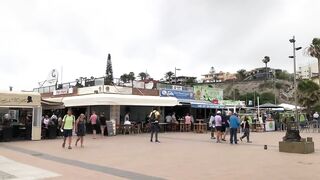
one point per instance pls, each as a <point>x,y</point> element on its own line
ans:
<point>63,91</point>
<point>179,94</point>
<point>20,99</point>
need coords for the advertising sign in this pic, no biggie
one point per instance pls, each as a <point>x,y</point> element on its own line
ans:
<point>207,93</point>
<point>19,99</point>
<point>176,93</point>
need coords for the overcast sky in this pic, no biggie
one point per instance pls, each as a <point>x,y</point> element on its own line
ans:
<point>149,35</point>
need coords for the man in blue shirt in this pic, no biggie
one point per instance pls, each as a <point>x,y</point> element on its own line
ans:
<point>234,125</point>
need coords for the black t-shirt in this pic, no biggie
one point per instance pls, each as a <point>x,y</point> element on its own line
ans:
<point>225,120</point>
<point>103,120</point>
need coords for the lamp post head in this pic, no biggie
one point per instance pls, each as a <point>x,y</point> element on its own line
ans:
<point>298,48</point>
<point>292,40</point>
<point>291,56</point>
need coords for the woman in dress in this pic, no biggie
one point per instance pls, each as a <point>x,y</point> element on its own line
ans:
<point>80,129</point>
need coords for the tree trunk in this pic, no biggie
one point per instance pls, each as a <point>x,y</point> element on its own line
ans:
<point>319,70</point>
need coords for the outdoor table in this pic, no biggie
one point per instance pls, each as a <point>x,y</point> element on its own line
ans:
<point>200,127</point>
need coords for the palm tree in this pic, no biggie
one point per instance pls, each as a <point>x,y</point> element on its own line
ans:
<point>266,60</point>
<point>308,94</point>
<point>314,51</point>
<point>169,75</point>
<point>124,78</point>
<point>131,77</point>
<point>143,76</point>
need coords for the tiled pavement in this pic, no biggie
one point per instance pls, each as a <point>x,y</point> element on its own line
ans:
<point>178,156</point>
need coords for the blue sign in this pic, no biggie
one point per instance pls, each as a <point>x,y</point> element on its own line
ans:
<point>176,93</point>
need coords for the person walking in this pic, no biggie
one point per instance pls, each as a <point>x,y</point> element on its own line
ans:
<point>211,126</point>
<point>218,125</point>
<point>234,125</point>
<point>227,125</point>
<point>67,126</point>
<point>103,124</point>
<point>93,121</point>
<point>154,119</point>
<point>80,129</point>
<point>246,129</point>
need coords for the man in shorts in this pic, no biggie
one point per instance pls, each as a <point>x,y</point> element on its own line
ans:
<point>93,121</point>
<point>67,126</point>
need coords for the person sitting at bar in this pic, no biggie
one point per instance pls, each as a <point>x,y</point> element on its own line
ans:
<point>188,122</point>
<point>127,119</point>
<point>174,118</point>
<point>168,118</point>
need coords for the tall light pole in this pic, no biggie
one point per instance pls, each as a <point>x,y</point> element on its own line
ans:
<point>175,74</point>
<point>293,41</point>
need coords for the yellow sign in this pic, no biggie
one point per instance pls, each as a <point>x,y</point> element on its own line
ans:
<point>20,99</point>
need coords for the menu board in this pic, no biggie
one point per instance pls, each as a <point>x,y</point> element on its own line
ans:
<point>110,128</point>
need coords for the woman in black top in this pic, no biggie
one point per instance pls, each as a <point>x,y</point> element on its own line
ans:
<point>102,120</point>
<point>80,129</point>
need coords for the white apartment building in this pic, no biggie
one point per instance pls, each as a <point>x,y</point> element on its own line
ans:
<point>308,71</point>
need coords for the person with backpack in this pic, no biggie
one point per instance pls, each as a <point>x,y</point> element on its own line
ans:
<point>67,126</point>
<point>154,120</point>
<point>246,129</point>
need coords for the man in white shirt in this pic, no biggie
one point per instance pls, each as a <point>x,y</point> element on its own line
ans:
<point>168,118</point>
<point>316,116</point>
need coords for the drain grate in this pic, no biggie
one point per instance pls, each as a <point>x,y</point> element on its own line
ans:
<point>37,154</point>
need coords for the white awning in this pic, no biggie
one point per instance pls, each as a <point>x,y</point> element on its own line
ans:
<point>116,99</point>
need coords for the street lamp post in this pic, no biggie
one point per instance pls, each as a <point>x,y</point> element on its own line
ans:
<point>293,41</point>
<point>175,74</point>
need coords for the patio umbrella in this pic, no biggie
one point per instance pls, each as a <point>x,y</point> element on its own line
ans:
<point>269,106</point>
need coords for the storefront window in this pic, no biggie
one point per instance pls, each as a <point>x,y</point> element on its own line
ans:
<point>15,123</point>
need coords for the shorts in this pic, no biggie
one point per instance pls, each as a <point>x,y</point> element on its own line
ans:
<point>67,132</point>
<point>223,129</point>
<point>95,127</point>
<point>219,128</point>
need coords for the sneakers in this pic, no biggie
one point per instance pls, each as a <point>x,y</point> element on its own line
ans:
<point>223,140</point>
<point>249,141</point>
<point>157,141</point>
<point>69,147</point>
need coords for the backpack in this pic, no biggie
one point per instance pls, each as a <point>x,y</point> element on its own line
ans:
<point>153,117</point>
